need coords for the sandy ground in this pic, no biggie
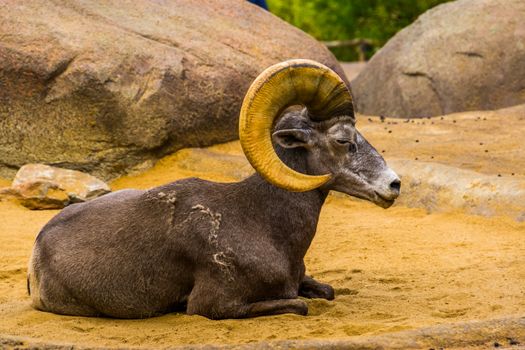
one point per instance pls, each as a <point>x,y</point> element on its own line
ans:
<point>392,269</point>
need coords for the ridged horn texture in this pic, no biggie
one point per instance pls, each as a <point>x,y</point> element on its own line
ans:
<point>294,82</point>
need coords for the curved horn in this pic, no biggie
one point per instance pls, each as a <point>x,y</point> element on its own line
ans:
<point>294,82</point>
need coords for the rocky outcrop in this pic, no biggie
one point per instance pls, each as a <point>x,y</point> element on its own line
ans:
<point>105,87</point>
<point>461,55</point>
<point>37,195</point>
<point>441,188</point>
<point>39,186</point>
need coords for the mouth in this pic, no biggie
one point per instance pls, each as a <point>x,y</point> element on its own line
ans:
<point>383,202</point>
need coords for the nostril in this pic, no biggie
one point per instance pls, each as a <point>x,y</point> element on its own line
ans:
<point>395,185</point>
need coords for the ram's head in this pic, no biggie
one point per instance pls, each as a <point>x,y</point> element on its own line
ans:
<point>337,156</point>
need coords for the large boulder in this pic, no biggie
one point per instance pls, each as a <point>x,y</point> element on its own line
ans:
<point>109,86</point>
<point>459,56</point>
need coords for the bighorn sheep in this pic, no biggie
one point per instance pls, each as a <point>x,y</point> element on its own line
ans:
<point>221,250</point>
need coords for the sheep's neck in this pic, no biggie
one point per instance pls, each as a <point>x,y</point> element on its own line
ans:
<point>293,216</point>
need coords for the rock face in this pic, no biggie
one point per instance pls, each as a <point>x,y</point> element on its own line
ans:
<point>39,186</point>
<point>428,185</point>
<point>104,87</point>
<point>459,56</point>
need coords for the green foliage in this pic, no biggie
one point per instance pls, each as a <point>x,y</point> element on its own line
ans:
<point>377,20</point>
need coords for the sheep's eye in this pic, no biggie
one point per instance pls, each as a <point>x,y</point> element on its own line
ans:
<point>352,147</point>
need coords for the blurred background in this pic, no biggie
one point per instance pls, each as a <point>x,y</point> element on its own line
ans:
<point>352,29</point>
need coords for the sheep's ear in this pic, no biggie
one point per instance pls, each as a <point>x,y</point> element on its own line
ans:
<point>292,138</point>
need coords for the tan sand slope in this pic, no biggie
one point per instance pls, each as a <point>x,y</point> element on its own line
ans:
<point>393,270</point>
<point>489,142</point>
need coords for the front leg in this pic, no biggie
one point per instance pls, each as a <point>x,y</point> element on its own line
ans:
<point>310,288</point>
<point>215,300</point>
<point>237,310</point>
<point>277,307</point>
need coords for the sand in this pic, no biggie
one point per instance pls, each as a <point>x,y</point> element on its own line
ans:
<point>393,270</point>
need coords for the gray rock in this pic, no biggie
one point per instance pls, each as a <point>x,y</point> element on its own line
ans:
<point>441,188</point>
<point>104,87</point>
<point>38,186</point>
<point>38,195</point>
<point>459,56</point>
